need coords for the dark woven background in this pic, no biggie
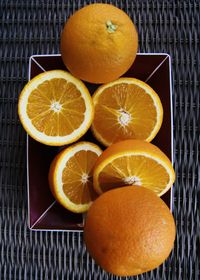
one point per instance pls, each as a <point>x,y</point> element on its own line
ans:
<point>33,27</point>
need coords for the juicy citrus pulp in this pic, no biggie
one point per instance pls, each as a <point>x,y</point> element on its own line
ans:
<point>133,162</point>
<point>130,108</point>
<point>55,108</point>
<point>70,176</point>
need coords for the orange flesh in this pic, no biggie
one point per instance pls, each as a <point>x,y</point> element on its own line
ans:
<point>67,118</point>
<point>134,170</point>
<point>129,101</point>
<point>76,190</point>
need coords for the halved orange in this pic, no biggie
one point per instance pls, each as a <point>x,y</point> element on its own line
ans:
<point>133,162</point>
<point>55,108</point>
<point>126,109</point>
<point>70,176</point>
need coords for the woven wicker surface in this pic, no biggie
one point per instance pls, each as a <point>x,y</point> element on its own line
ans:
<point>33,27</point>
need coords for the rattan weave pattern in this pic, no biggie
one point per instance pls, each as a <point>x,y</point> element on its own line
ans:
<point>33,27</point>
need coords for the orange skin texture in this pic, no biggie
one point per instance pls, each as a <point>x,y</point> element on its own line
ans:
<point>90,51</point>
<point>129,231</point>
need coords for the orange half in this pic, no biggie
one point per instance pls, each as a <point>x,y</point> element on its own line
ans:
<point>71,176</point>
<point>136,163</point>
<point>126,109</point>
<point>55,108</point>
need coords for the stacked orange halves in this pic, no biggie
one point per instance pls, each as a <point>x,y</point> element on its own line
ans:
<point>128,230</point>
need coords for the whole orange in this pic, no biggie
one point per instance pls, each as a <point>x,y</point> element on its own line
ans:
<point>99,43</point>
<point>129,231</point>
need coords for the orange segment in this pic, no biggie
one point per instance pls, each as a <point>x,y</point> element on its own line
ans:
<point>70,176</point>
<point>131,110</point>
<point>55,108</point>
<point>133,162</point>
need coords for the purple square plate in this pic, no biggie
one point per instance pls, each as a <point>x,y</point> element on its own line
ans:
<point>44,213</point>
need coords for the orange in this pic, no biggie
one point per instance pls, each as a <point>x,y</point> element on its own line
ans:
<point>129,231</point>
<point>99,43</point>
<point>133,162</point>
<point>70,176</point>
<point>126,109</point>
<point>55,108</point>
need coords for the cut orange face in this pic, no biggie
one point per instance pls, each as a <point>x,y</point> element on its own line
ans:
<point>126,109</point>
<point>133,162</point>
<point>70,176</point>
<point>55,108</point>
